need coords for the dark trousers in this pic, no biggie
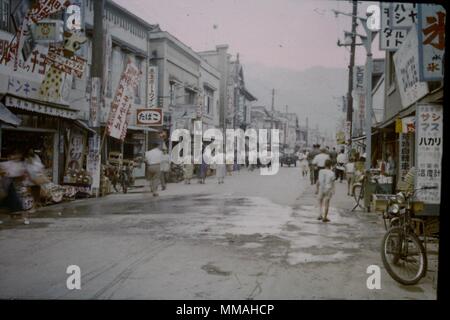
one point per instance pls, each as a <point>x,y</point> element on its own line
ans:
<point>339,174</point>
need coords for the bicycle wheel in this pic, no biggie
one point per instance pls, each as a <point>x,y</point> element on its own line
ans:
<point>403,256</point>
<point>358,192</point>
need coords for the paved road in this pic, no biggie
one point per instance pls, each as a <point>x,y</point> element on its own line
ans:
<point>254,237</point>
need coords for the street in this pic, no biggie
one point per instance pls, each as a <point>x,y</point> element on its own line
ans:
<point>253,237</point>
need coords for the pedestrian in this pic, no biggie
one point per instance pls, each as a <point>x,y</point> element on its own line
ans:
<point>36,175</point>
<point>333,156</point>
<point>153,168</point>
<point>326,190</point>
<point>319,162</point>
<point>12,173</point>
<point>350,175</point>
<point>188,171</point>
<point>312,167</point>
<point>221,172</point>
<point>341,161</point>
<point>165,168</point>
<point>203,171</point>
<point>303,157</point>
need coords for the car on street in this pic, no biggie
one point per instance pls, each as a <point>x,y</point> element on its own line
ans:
<point>288,159</point>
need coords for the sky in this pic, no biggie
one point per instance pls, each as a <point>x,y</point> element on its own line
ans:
<point>293,34</point>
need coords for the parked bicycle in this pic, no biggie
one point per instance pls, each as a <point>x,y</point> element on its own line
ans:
<point>358,189</point>
<point>403,253</point>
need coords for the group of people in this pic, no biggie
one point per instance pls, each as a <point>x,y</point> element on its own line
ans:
<point>326,166</point>
<point>21,170</point>
<point>157,170</point>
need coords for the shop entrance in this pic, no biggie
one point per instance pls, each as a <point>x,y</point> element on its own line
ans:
<point>43,142</point>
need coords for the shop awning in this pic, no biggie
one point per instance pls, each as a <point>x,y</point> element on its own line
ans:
<point>41,107</point>
<point>148,129</point>
<point>84,125</point>
<point>8,117</point>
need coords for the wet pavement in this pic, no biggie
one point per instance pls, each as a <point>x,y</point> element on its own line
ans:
<point>254,237</point>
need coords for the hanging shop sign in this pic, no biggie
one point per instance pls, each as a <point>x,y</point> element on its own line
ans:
<point>93,161</point>
<point>40,108</point>
<point>152,87</point>
<point>429,133</point>
<point>406,61</point>
<point>404,154</point>
<point>403,15</point>
<point>120,106</point>
<point>347,131</point>
<point>94,103</point>
<point>75,154</point>
<point>390,39</point>
<point>74,65</point>
<point>431,24</point>
<point>149,117</point>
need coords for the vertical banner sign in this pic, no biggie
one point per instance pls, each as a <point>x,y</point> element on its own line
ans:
<point>75,155</point>
<point>120,106</point>
<point>359,78</point>
<point>93,163</point>
<point>107,62</point>
<point>406,61</point>
<point>390,39</point>
<point>152,87</point>
<point>348,125</point>
<point>94,110</point>
<point>431,31</point>
<point>404,154</point>
<point>429,151</point>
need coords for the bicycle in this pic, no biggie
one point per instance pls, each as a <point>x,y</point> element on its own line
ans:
<point>358,189</point>
<point>402,252</point>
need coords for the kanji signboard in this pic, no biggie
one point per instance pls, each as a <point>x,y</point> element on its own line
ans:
<point>390,38</point>
<point>431,35</point>
<point>404,154</point>
<point>429,151</point>
<point>120,106</point>
<point>152,87</point>
<point>406,61</point>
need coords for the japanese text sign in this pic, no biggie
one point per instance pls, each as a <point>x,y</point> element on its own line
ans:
<point>429,151</point>
<point>431,32</point>
<point>406,61</point>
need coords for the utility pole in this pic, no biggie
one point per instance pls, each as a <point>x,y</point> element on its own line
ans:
<point>286,127</point>
<point>307,132</point>
<point>350,68</point>
<point>272,114</point>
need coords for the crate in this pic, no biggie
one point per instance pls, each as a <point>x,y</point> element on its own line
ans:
<point>380,202</point>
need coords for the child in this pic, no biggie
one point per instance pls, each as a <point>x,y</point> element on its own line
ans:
<point>326,189</point>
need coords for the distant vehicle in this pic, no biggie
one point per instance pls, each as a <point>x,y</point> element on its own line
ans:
<point>288,159</point>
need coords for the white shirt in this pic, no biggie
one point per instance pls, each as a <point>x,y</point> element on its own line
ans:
<point>320,159</point>
<point>350,167</point>
<point>326,180</point>
<point>342,158</point>
<point>13,168</point>
<point>153,156</point>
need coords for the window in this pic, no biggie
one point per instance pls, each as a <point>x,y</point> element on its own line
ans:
<point>189,97</point>
<point>208,100</point>
<point>4,15</point>
<point>172,93</point>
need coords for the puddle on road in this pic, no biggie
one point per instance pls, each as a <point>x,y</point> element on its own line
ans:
<point>212,269</point>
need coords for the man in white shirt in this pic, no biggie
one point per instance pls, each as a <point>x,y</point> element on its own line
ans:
<point>325,185</point>
<point>340,165</point>
<point>153,168</point>
<point>319,163</point>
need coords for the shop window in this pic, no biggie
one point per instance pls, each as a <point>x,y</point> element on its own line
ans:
<point>208,100</point>
<point>4,15</point>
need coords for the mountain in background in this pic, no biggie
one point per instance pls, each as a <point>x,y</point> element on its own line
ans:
<point>315,93</point>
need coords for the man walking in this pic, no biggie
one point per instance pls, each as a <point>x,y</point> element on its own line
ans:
<point>319,162</point>
<point>326,189</point>
<point>165,168</point>
<point>312,172</point>
<point>340,166</point>
<point>153,168</point>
